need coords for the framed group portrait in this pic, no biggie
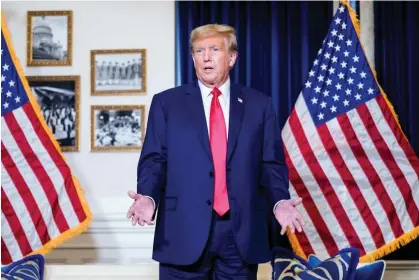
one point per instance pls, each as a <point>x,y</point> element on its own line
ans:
<point>49,38</point>
<point>118,72</point>
<point>58,98</point>
<point>117,127</point>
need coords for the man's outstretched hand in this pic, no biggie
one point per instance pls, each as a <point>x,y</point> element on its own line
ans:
<point>288,216</point>
<point>142,209</point>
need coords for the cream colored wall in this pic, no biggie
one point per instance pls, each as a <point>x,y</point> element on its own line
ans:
<point>367,29</point>
<point>105,25</point>
<point>105,177</point>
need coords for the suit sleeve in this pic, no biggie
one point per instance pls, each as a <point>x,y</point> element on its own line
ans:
<point>274,169</point>
<point>151,169</point>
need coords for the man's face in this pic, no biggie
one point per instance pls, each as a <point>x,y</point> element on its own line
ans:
<point>212,60</point>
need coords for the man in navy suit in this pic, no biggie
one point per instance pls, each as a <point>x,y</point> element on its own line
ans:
<point>212,164</point>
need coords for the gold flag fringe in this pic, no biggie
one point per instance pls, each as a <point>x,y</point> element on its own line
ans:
<point>296,247</point>
<point>84,225</point>
<point>406,237</point>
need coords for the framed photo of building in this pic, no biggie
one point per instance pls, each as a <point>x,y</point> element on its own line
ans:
<point>117,128</point>
<point>59,100</point>
<point>49,38</point>
<point>118,72</point>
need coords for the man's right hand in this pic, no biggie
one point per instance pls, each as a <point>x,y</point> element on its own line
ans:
<point>142,209</point>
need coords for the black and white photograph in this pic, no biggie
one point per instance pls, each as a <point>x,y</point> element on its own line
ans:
<point>58,99</point>
<point>117,127</point>
<point>118,72</point>
<point>49,38</point>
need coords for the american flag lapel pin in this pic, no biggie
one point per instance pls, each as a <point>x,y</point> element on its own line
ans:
<point>240,100</point>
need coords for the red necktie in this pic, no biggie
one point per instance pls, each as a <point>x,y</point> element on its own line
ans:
<point>218,141</point>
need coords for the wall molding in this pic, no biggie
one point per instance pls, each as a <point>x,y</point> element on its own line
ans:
<point>396,270</point>
<point>103,272</point>
<point>116,222</point>
<point>110,239</point>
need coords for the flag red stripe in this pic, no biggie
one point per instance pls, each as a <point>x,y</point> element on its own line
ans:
<point>15,225</point>
<point>398,134</point>
<point>312,211</point>
<point>389,161</point>
<point>324,183</point>
<point>39,171</point>
<point>26,195</point>
<point>5,255</point>
<point>372,175</point>
<point>351,185</point>
<point>60,163</point>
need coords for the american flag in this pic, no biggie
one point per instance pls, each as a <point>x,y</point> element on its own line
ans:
<point>347,155</point>
<point>42,204</point>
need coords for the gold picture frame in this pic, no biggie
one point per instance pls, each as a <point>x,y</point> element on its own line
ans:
<point>58,98</point>
<point>111,79</point>
<point>49,38</point>
<point>121,128</point>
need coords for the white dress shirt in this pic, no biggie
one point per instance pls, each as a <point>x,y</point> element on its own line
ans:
<point>224,99</point>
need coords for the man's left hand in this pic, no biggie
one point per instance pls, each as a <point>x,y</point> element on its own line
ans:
<point>288,216</point>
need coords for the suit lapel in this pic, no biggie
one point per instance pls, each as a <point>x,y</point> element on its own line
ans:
<point>195,107</point>
<point>236,117</point>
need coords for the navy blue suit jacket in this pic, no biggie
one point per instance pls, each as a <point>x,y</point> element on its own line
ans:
<point>176,170</point>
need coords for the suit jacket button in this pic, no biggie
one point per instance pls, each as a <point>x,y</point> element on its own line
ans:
<point>211,174</point>
<point>209,202</point>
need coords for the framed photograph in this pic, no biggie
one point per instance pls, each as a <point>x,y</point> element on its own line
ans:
<point>117,127</point>
<point>59,100</point>
<point>49,38</point>
<point>118,72</point>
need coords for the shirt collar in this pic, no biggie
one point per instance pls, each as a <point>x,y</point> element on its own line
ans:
<point>224,88</point>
